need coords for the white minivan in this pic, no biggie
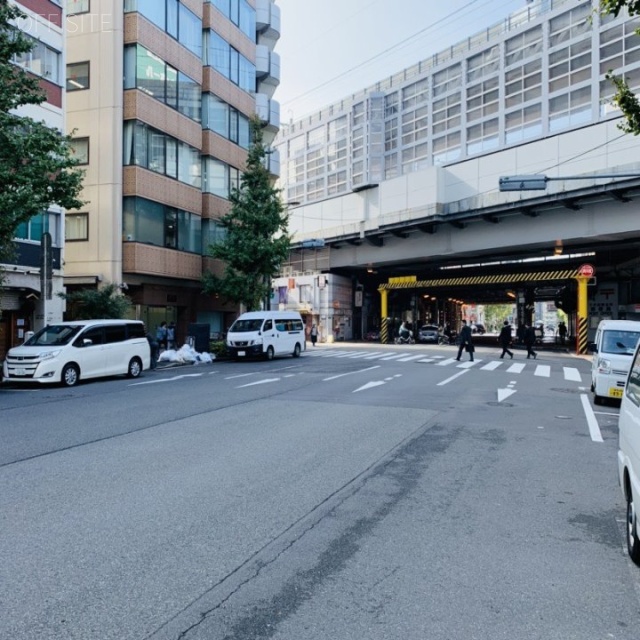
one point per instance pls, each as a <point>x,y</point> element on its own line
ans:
<point>612,349</point>
<point>70,351</point>
<point>629,453</point>
<point>266,334</point>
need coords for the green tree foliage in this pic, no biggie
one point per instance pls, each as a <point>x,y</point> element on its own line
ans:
<point>496,314</point>
<point>36,162</point>
<point>94,304</point>
<point>257,240</point>
<point>624,98</point>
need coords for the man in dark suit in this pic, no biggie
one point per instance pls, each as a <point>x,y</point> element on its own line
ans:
<point>464,341</point>
<point>505,339</point>
<point>529,341</point>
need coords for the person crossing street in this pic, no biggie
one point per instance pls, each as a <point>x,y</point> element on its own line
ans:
<point>505,339</point>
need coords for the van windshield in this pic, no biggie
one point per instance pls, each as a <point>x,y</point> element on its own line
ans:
<point>54,335</point>
<point>242,326</point>
<point>620,342</point>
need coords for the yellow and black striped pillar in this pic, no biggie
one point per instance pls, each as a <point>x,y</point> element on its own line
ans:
<point>384,320</point>
<point>582,319</point>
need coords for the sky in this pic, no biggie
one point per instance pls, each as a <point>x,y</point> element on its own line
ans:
<point>330,49</point>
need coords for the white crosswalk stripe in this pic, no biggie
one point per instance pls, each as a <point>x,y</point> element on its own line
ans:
<point>570,374</point>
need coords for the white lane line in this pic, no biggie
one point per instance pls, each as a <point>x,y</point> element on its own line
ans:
<point>186,375</point>
<point>448,380</point>
<point>395,356</point>
<point>468,364</point>
<point>350,354</point>
<point>516,368</point>
<point>543,370</point>
<point>594,429</point>
<point>265,381</point>
<point>427,360</point>
<point>604,413</point>
<point>444,363</point>
<point>240,375</point>
<point>359,354</point>
<point>571,373</point>
<point>490,366</point>
<point>376,356</point>
<point>342,375</point>
<point>409,358</point>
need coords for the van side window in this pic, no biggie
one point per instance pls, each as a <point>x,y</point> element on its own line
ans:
<point>297,325</point>
<point>633,386</point>
<point>268,325</point>
<point>280,325</point>
<point>135,330</point>
<point>115,333</point>
<point>95,334</point>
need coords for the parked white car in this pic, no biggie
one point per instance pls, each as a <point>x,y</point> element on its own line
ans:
<point>267,334</point>
<point>629,453</point>
<point>612,349</point>
<point>70,351</point>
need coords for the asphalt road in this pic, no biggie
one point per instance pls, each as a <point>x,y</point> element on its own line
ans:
<point>361,491</point>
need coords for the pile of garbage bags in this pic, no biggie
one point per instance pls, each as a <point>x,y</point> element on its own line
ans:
<point>185,354</point>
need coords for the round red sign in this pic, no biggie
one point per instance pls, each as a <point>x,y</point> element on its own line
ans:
<point>586,270</point>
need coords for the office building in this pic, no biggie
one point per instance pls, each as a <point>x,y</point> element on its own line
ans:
<point>160,94</point>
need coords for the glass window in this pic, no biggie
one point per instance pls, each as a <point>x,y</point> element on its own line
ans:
<point>115,333</point>
<point>153,10</point>
<point>77,76</point>
<point>219,54</point>
<point>76,227</point>
<point>190,30</point>
<point>150,74</point>
<point>189,97</point>
<point>80,150</point>
<point>77,6</point>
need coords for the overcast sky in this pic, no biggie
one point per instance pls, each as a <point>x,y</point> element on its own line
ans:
<point>330,49</point>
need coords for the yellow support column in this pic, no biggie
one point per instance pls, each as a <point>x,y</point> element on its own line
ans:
<point>384,327</point>
<point>582,321</point>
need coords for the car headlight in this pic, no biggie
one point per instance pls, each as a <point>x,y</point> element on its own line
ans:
<point>47,355</point>
<point>257,341</point>
<point>604,366</point>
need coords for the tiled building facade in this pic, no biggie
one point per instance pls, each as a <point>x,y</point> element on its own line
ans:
<point>160,94</point>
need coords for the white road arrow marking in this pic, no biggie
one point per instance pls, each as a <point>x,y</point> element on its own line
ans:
<point>350,373</point>
<point>370,385</point>
<point>503,394</point>
<point>186,375</point>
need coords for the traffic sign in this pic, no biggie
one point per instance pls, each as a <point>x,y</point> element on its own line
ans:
<point>586,270</point>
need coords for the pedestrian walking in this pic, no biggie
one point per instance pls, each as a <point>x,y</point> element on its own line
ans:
<point>171,336</point>
<point>529,341</point>
<point>505,339</point>
<point>562,331</point>
<point>465,341</point>
<point>153,349</point>
<point>161,335</point>
<point>314,334</point>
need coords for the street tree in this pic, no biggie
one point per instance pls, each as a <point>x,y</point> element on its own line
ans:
<point>37,167</point>
<point>624,98</point>
<point>94,304</point>
<point>256,240</point>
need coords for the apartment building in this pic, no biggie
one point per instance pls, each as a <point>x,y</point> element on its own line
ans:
<point>23,307</point>
<point>159,95</point>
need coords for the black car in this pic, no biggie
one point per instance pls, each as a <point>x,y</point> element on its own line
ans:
<point>428,333</point>
<point>478,328</point>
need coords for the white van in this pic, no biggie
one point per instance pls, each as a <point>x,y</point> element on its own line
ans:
<point>70,351</point>
<point>629,453</point>
<point>613,348</point>
<point>267,334</point>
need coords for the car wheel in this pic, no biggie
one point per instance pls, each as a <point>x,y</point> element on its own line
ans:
<point>269,354</point>
<point>70,375</point>
<point>633,544</point>
<point>135,368</point>
<point>296,350</point>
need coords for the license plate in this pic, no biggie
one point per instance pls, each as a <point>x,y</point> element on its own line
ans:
<point>615,392</point>
<point>20,372</point>
<point>242,353</point>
